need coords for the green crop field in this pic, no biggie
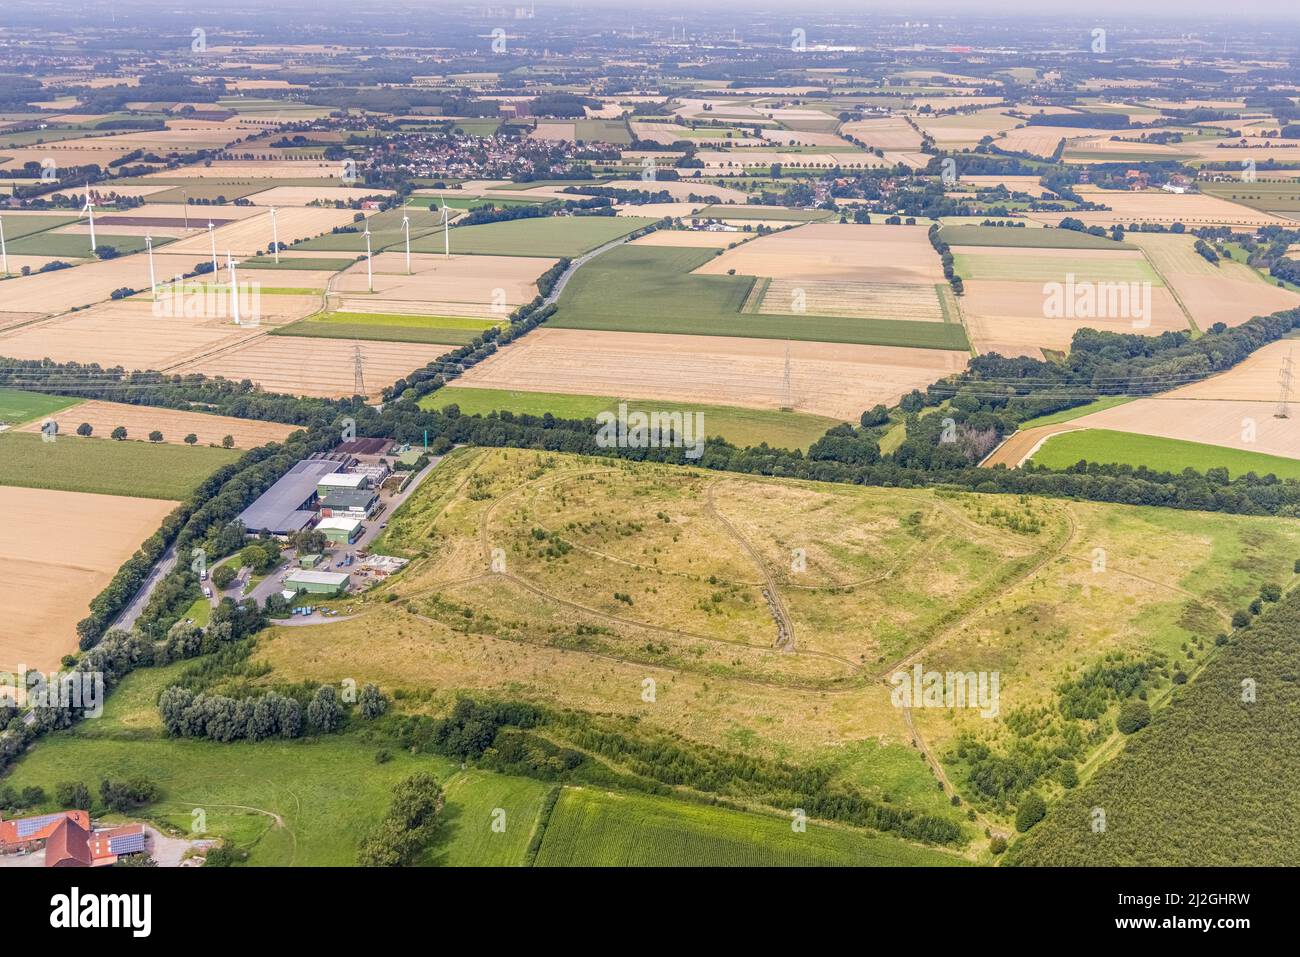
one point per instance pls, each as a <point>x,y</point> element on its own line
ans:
<point>607,131</point>
<point>600,829</point>
<point>475,800</point>
<point>443,330</point>
<point>741,427</point>
<point>75,464</point>
<point>1028,268</point>
<point>1268,197</point>
<point>546,236</point>
<point>1028,236</point>
<point>1160,454</point>
<point>302,262</point>
<point>1099,405</point>
<point>16,227</point>
<point>656,291</point>
<point>75,245</point>
<point>18,406</point>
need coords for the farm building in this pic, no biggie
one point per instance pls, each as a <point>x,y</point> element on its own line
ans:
<point>68,840</point>
<point>287,506</point>
<point>349,503</point>
<point>339,529</point>
<point>317,583</point>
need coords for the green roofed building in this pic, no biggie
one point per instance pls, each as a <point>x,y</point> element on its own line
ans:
<point>317,583</point>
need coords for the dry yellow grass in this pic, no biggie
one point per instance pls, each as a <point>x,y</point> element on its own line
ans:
<point>249,236</point>
<point>59,550</point>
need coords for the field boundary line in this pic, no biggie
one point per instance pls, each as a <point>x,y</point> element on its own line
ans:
<point>1196,330</point>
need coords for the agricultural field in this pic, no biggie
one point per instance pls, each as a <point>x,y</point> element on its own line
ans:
<point>891,578</point>
<point>124,333</point>
<point>253,235</point>
<point>741,427</point>
<point>18,406</point>
<point>175,424</point>
<point>1020,300</point>
<point>1158,206</point>
<point>1157,453</point>
<point>447,330</point>
<point>835,251</point>
<point>59,549</point>
<point>314,366</point>
<point>52,293</point>
<point>1282,198</point>
<point>135,467</point>
<point>829,379</point>
<point>1027,236</point>
<point>483,287</point>
<point>1228,292</point>
<point>557,236</point>
<point>590,828</point>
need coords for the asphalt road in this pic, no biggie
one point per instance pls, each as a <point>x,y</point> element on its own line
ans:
<point>131,614</point>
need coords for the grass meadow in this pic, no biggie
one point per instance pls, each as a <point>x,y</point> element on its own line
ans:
<point>1159,454</point>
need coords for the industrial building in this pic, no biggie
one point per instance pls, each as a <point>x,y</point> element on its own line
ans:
<point>288,506</point>
<point>349,503</point>
<point>317,583</point>
<point>340,530</point>
<point>342,481</point>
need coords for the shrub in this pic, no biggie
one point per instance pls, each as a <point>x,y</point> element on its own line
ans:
<point>1134,715</point>
<point>1032,810</point>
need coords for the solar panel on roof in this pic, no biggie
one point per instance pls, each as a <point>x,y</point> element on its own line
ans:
<point>30,825</point>
<point>126,844</point>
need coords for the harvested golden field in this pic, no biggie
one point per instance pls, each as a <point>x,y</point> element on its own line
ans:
<point>1158,206</point>
<point>1040,140</point>
<point>805,138</point>
<point>898,254</point>
<point>660,210</point>
<point>489,287</point>
<point>1254,379</point>
<point>174,424</point>
<point>59,550</point>
<point>687,237</point>
<point>967,129</point>
<point>1010,318</point>
<point>91,282</point>
<point>915,302</point>
<point>302,195</point>
<point>124,333</point>
<point>886,133</point>
<point>832,379</point>
<point>1230,292</point>
<point>250,236</point>
<point>315,367</point>
<point>236,169</point>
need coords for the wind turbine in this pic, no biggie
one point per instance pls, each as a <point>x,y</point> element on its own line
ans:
<point>275,237</point>
<point>213,237</point>
<point>4,253</point>
<point>370,278</point>
<point>89,209</point>
<point>153,283</point>
<point>406,228</point>
<point>446,231</point>
<point>234,288</point>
